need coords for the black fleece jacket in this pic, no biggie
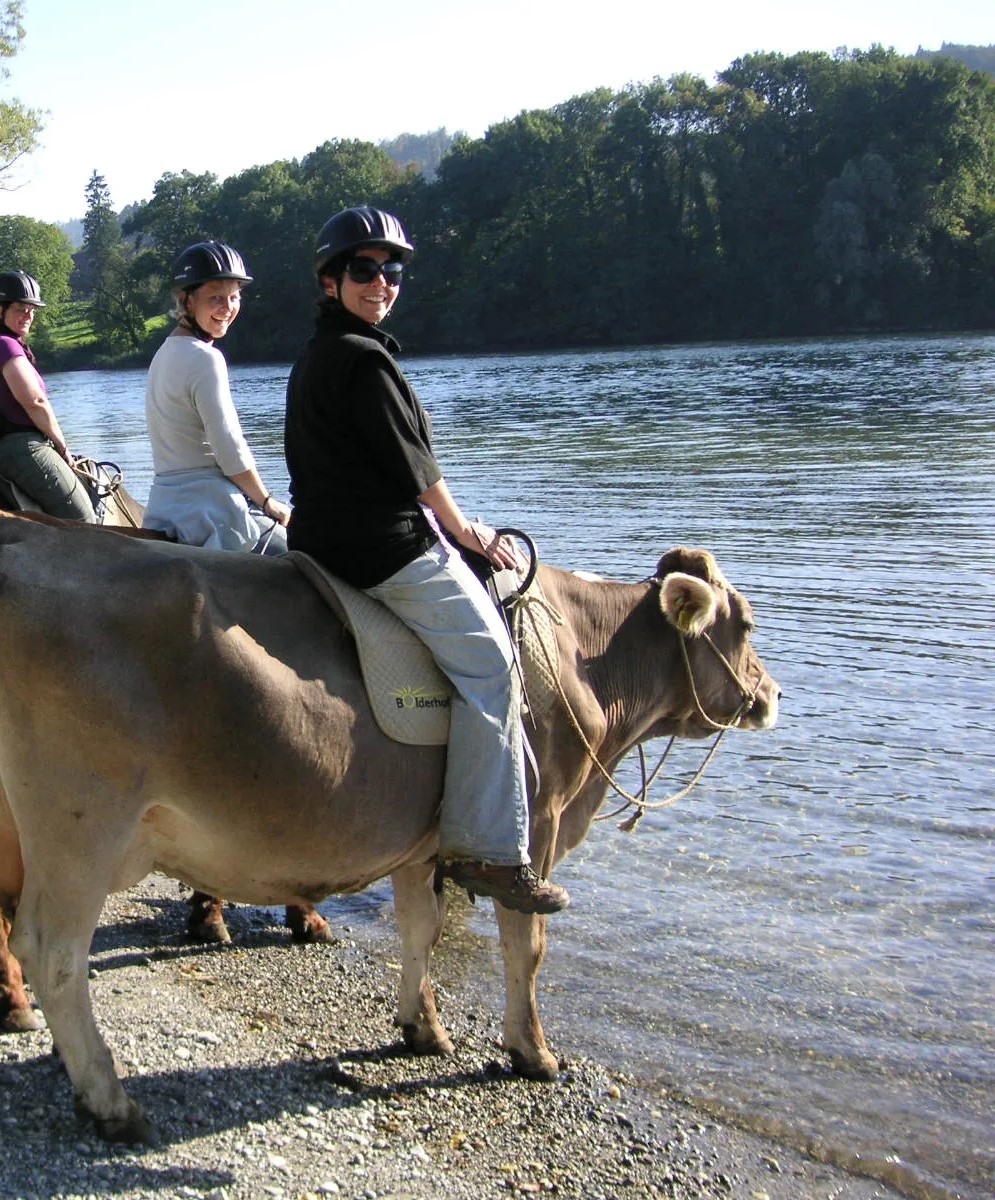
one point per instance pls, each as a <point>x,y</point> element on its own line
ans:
<point>359,452</point>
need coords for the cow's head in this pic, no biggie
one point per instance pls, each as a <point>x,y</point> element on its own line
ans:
<point>727,682</point>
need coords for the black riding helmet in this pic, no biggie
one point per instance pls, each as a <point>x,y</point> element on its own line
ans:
<point>19,287</point>
<point>204,261</point>
<point>360,228</point>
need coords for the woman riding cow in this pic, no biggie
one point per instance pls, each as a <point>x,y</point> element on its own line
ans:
<point>34,456</point>
<point>371,504</point>
<point>207,490</point>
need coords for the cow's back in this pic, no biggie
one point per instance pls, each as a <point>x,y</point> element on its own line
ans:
<point>209,699</point>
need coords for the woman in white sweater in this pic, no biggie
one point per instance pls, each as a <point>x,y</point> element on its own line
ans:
<point>207,490</point>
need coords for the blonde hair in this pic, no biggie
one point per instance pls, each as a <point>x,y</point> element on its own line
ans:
<point>178,311</point>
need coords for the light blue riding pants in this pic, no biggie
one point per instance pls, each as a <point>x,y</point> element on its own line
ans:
<point>32,463</point>
<point>201,507</point>
<point>484,800</point>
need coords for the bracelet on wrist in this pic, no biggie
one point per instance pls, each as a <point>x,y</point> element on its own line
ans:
<point>266,499</point>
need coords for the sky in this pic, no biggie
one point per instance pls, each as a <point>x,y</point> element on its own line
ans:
<point>134,89</point>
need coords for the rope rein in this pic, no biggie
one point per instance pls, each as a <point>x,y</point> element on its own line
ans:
<point>522,608</point>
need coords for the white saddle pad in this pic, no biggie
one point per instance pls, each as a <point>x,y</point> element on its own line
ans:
<point>409,695</point>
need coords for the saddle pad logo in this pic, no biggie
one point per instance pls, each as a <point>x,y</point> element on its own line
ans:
<point>410,697</point>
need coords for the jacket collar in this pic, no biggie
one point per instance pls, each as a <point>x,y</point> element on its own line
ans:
<point>334,316</point>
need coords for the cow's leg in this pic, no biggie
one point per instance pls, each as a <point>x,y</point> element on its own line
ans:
<point>206,922</point>
<point>306,924</point>
<point>420,912</point>
<point>52,936</point>
<point>16,1013</point>
<point>523,944</point>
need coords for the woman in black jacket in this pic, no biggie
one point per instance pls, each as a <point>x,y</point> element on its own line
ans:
<point>370,503</point>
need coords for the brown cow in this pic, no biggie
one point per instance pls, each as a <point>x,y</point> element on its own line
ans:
<point>243,758</point>
<point>16,1013</point>
<point>206,922</point>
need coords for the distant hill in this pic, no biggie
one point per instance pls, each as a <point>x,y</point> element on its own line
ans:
<point>74,232</point>
<point>423,150</point>
<point>978,58</point>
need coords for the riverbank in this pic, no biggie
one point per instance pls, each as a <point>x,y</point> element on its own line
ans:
<point>272,1070</point>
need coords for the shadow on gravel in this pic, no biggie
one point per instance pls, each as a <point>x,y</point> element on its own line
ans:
<point>46,1152</point>
<point>247,924</point>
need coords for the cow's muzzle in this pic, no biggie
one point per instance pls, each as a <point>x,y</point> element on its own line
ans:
<point>759,701</point>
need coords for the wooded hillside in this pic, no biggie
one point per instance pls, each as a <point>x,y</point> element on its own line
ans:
<point>801,194</point>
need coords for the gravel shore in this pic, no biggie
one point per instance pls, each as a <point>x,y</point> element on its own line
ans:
<point>273,1070</point>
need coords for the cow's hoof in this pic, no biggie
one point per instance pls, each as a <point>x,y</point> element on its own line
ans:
<point>543,1067</point>
<point>212,932</point>
<point>132,1128</point>
<point>426,1039</point>
<point>21,1020</point>
<point>308,926</point>
<point>206,922</point>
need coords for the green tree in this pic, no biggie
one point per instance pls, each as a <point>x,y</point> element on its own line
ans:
<point>264,213</point>
<point>799,194</point>
<point>857,238</point>
<point>769,186</point>
<point>19,125</point>
<point>43,251</point>
<point>665,151</point>
<point>179,213</point>
<point>272,215</point>
<point>101,237</point>
<point>102,272</point>
<point>340,173</point>
<point>932,121</point>
<point>498,252</point>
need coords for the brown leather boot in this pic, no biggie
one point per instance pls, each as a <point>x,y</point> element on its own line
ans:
<point>517,887</point>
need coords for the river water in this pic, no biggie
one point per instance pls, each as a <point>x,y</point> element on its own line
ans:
<point>805,943</point>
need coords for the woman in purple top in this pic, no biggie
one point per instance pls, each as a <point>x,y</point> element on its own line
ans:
<point>33,451</point>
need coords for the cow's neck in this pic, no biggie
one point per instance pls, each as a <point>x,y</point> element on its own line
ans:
<point>615,625</point>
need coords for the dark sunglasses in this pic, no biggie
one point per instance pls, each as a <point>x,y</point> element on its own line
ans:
<point>365,270</point>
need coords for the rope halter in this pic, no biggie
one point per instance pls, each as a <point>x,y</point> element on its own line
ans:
<point>640,800</point>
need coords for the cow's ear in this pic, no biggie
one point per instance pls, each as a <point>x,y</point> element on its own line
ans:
<point>688,603</point>
<point>699,563</point>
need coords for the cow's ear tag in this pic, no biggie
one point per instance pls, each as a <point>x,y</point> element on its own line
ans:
<point>688,603</point>
<point>686,622</point>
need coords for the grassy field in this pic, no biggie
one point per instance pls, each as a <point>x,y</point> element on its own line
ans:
<point>71,329</point>
<point>69,342</point>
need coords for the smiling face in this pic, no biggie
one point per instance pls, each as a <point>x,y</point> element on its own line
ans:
<point>370,301</point>
<point>18,316</point>
<point>214,305</point>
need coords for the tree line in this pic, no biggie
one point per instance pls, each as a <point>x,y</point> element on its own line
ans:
<point>807,194</point>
